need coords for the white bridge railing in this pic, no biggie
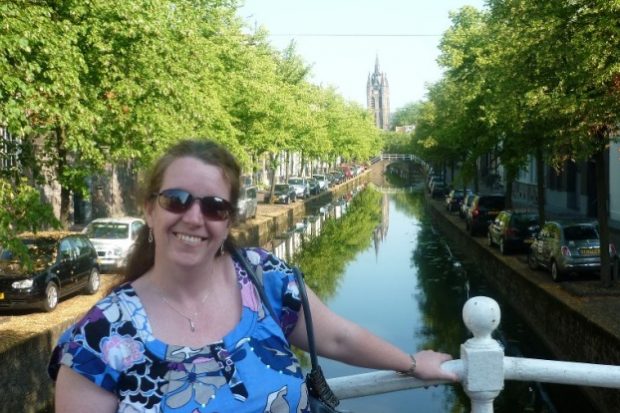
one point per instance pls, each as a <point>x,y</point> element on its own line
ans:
<point>483,368</point>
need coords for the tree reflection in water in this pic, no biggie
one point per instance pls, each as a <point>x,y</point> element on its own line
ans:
<point>323,259</point>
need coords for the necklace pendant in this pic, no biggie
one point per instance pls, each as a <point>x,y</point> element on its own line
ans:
<point>192,326</point>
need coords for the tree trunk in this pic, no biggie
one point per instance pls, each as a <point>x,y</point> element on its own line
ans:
<point>61,164</point>
<point>273,163</point>
<point>602,188</point>
<point>540,185</point>
<point>510,176</point>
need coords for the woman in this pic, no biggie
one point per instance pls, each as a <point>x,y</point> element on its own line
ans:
<point>187,332</point>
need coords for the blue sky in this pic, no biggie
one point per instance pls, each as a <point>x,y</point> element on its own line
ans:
<point>345,61</point>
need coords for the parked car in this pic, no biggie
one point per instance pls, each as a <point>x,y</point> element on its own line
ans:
<point>113,238</point>
<point>62,263</point>
<point>284,194</point>
<point>513,230</point>
<point>566,247</point>
<point>247,203</point>
<point>454,199</point>
<point>466,204</point>
<point>438,189</point>
<point>323,181</point>
<point>483,210</point>
<point>315,186</point>
<point>302,189</point>
<point>347,172</point>
<point>335,177</point>
<point>431,178</point>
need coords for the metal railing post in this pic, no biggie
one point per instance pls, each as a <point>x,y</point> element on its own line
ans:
<point>482,356</point>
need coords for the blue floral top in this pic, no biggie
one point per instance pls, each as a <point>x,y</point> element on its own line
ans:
<point>252,369</point>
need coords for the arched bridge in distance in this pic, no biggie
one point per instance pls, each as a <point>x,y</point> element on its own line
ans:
<point>379,166</point>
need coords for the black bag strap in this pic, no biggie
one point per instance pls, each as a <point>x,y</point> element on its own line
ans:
<point>258,281</point>
<point>316,382</point>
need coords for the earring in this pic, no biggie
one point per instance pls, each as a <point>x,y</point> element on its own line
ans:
<point>150,235</point>
<point>220,252</point>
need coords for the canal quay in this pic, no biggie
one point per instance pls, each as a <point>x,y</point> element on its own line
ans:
<point>577,319</point>
<point>398,265</point>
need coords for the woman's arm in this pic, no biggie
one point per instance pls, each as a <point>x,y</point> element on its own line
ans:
<point>340,339</point>
<point>75,393</point>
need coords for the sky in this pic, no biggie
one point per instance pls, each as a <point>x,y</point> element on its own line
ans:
<point>409,33</point>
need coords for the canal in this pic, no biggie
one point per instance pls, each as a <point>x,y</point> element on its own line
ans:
<point>384,266</point>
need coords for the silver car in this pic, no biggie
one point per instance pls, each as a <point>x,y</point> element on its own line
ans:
<point>113,239</point>
<point>301,186</point>
<point>567,247</point>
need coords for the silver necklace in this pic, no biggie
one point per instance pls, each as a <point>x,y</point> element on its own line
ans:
<point>190,320</point>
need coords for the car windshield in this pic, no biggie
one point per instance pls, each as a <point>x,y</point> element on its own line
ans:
<point>319,177</point>
<point>281,188</point>
<point>491,202</point>
<point>580,233</point>
<point>107,230</point>
<point>525,220</point>
<point>295,181</point>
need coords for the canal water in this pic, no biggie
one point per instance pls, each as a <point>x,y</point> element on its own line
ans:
<point>384,266</point>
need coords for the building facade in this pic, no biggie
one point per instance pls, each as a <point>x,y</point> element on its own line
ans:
<point>378,97</point>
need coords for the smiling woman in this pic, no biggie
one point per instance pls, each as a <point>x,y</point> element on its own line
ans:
<point>188,330</point>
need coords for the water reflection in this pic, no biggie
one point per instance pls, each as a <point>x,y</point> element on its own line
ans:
<point>409,287</point>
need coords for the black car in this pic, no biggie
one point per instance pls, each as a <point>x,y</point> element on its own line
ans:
<point>315,186</point>
<point>284,194</point>
<point>466,204</point>
<point>439,188</point>
<point>513,230</point>
<point>483,210</point>
<point>454,199</point>
<point>62,264</point>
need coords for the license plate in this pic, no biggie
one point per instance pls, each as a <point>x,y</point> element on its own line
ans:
<point>589,251</point>
<point>1,295</point>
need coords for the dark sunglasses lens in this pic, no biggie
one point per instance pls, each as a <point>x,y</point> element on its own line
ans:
<point>175,200</point>
<point>214,208</point>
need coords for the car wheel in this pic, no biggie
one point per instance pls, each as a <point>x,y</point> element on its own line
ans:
<point>531,261</point>
<point>555,272</point>
<point>489,239</point>
<point>94,282</point>
<point>51,297</point>
<point>502,247</point>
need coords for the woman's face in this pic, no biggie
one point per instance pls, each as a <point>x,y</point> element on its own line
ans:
<point>188,239</point>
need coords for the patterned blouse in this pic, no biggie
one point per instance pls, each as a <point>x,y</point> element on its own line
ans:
<point>252,369</point>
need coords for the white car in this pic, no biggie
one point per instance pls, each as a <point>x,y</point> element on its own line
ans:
<point>113,239</point>
<point>301,186</point>
<point>323,182</point>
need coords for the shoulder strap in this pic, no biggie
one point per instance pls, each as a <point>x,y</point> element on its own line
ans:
<point>256,277</point>
<point>307,315</point>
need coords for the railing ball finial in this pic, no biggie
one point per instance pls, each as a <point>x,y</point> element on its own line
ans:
<point>481,316</point>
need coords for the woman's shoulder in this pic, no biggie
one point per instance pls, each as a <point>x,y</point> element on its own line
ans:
<point>120,305</point>
<point>266,260</point>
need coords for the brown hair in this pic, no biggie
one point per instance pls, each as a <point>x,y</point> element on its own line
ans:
<point>142,256</point>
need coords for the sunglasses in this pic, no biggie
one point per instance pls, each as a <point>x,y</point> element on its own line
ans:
<point>179,201</point>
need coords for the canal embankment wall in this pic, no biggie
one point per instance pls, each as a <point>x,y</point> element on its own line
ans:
<point>26,340</point>
<point>575,327</point>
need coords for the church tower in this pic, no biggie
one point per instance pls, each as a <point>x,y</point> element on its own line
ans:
<point>378,97</point>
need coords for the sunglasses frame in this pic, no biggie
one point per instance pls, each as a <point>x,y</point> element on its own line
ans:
<point>206,204</point>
